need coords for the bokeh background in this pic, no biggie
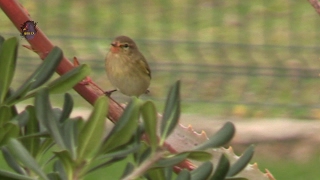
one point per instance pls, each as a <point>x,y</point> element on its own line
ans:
<point>236,59</point>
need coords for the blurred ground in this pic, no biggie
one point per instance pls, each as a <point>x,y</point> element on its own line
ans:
<point>274,138</point>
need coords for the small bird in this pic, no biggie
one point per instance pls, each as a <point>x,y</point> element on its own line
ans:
<point>127,69</point>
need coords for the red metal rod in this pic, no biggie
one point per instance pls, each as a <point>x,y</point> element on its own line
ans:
<point>42,45</point>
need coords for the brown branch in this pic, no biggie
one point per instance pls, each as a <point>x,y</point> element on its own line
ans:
<point>316,5</point>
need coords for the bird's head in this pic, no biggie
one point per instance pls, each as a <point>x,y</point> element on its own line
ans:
<point>123,44</point>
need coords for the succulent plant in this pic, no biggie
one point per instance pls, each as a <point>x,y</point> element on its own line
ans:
<point>77,147</point>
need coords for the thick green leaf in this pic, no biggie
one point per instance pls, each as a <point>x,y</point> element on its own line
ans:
<point>5,114</point>
<point>69,79</point>
<point>124,129</point>
<point>1,41</point>
<point>50,63</point>
<point>70,133</point>
<point>235,178</point>
<point>110,158</point>
<point>143,156</point>
<point>122,151</point>
<point>90,136</point>
<point>75,126</point>
<point>12,162</point>
<point>7,131</point>
<point>157,174</point>
<point>137,156</point>
<point>129,168</point>
<point>105,163</point>
<point>21,154</point>
<point>168,171</point>
<point>57,113</point>
<point>223,136</point>
<point>199,155</point>
<point>222,168</point>
<point>59,85</point>
<point>8,58</point>
<point>7,175</point>
<point>19,95</point>
<point>22,118</point>
<point>171,112</point>
<point>140,131</point>
<point>14,110</point>
<point>32,127</point>
<point>149,114</point>
<point>172,160</point>
<point>43,134</point>
<point>54,176</point>
<point>41,75</point>
<point>67,107</point>
<point>194,155</point>
<point>242,162</point>
<point>58,167</point>
<point>45,146</point>
<point>184,175</point>
<point>67,162</point>
<point>46,116</point>
<point>203,171</point>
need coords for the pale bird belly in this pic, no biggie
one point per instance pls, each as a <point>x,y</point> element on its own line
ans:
<point>133,86</point>
<point>126,82</point>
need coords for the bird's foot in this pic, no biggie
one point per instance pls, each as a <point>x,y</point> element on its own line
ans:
<point>147,91</point>
<point>108,93</point>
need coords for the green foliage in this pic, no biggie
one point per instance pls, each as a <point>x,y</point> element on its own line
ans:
<point>149,114</point>
<point>8,56</point>
<point>223,136</point>
<point>242,162</point>
<point>222,169</point>
<point>171,112</point>
<point>45,142</point>
<point>20,153</point>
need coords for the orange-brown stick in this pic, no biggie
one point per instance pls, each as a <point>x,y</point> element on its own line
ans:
<point>42,45</point>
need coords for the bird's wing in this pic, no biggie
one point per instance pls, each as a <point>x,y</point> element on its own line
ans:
<point>145,66</point>
<point>142,62</point>
<point>148,70</point>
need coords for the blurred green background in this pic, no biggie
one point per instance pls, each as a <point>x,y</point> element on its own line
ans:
<point>240,58</point>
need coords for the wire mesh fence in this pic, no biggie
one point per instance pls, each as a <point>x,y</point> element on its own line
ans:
<point>235,58</point>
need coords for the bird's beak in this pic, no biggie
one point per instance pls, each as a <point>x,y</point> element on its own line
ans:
<point>115,46</point>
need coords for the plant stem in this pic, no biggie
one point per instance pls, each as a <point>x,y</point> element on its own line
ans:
<point>139,171</point>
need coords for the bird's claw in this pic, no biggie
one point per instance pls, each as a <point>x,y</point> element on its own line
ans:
<point>108,93</point>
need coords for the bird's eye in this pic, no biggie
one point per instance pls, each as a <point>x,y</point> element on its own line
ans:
<point>126,46</point>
